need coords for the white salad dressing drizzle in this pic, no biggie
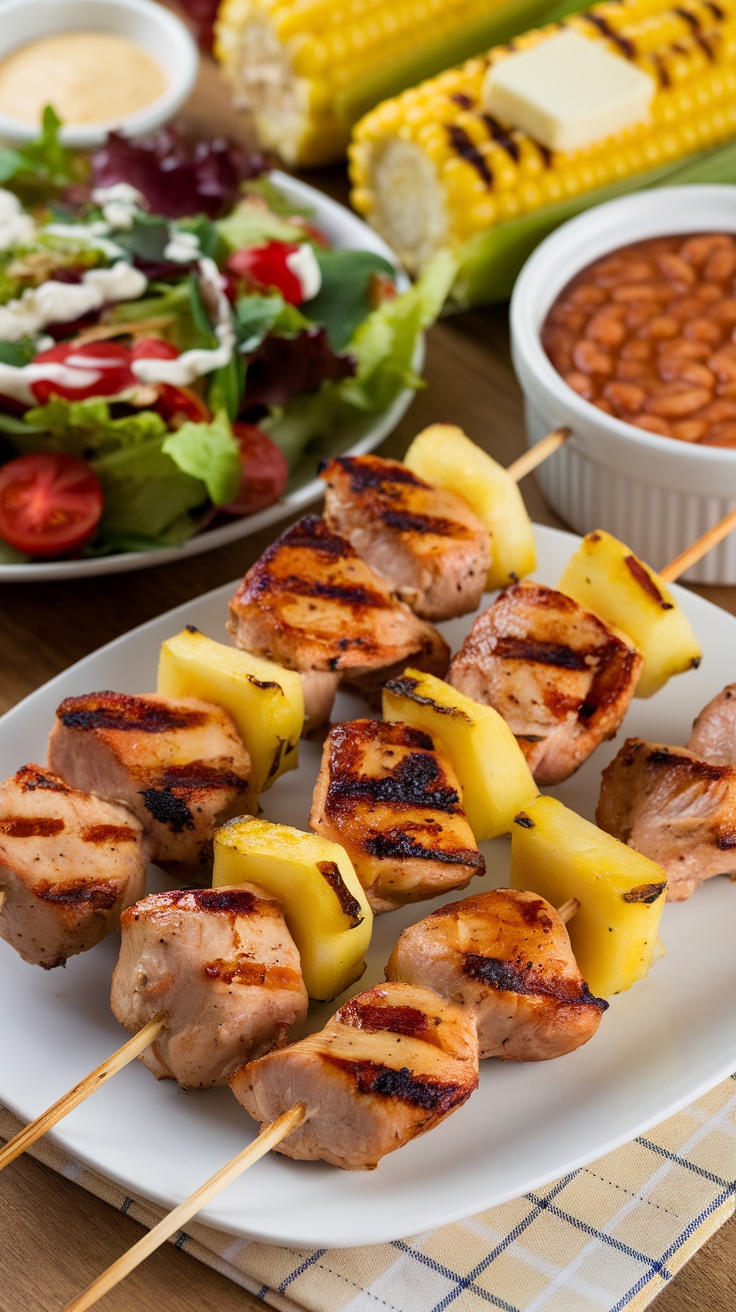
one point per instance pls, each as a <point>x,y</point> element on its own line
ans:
<point>191,365</point>
<point>16,383</point>
<point>92,236</point>
<point>16,227</point>
<point>119,204</point>
<point>63,302</point>
<point>182,247</point>
<point>303,264</point>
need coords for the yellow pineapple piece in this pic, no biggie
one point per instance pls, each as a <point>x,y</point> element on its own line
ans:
<point>324,905</point>
<point>604,576</point>
<point>559,855</point>
<point>443,456</point>
<point>494,777</point>
<point>265,700</point>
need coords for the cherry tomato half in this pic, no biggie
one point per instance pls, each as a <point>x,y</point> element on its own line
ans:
<point>181,405</point>
<point>50,503</point>
<point>265,471</point>
<point>89,369</point>
<point>268,266</point>
<point>153,348</point>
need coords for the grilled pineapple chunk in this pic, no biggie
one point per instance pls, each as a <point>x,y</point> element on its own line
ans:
<point>606,577</point>
<point>443,456</point>
<point>494,776</point>
<point>559,855</point>
<point>324,905</point>
<point>265,700</point>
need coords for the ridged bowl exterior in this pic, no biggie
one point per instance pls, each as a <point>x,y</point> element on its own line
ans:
<point>654,493</point>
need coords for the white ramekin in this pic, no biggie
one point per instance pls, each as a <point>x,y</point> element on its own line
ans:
<point>655,493</point>
<point>155,29</point>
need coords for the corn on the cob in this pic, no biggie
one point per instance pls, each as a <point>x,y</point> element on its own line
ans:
<point>432,168</point>
<point>307,69</point>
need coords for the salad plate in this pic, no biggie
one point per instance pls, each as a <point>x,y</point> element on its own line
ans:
<point>660,1045</point>
<point>344,231</point>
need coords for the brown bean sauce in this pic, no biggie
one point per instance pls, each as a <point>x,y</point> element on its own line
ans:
<point>647,333</point>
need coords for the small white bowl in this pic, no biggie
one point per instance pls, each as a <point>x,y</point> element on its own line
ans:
<point>156,30</point>
<point>655,493</point>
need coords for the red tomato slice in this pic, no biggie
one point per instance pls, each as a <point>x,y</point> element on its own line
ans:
<point>90,369</point>
<point>265,471</point>
<point>50,503</point>
<point>153,348</point>
<point>180,405</point>
<point>266,266</point>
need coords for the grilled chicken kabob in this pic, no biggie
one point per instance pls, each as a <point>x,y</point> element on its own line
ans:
<point>678,804</point>
<point>137,779</point>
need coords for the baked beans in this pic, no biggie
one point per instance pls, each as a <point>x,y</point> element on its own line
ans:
<point>648,334</point>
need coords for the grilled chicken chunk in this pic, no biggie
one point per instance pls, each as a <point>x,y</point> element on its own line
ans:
<point>179,765</point>
<point>673,807</point>
<point>222,965</point>
<point>505,957</point>
<point>425,541</point>
<point>392,1063</point>
<point>69,864</point>
<point>557,674</point>
<point>714,733</point>
<point>393,802</point>
<point>313,605</point>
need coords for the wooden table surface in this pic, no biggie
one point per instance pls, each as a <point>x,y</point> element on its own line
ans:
<point>54,1237</point>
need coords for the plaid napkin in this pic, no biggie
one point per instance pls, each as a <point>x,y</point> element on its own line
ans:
<point>604,1238</point>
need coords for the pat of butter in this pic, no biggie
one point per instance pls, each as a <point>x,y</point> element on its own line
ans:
<point>567,92</point>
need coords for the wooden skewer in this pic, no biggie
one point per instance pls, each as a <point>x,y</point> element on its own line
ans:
<point>568,909</point>
<point>267,1139</point>
<point>537,454</point>
<point>699,548</point>
<point>130,1050</point>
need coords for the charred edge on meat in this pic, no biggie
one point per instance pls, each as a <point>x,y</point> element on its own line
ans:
<point>397,845</point>
<point>408,1021</point>
<point>167,809</point>
<point>405,521</point>
<point>542,653</point>
<point>233,901</point>
<point>253,974</point>
<point>692,764</point>
<point>99,896</point>
<point>118,711</point>
<point>349,905</point>
<point>30,777</point>
<point>508,977</point>
<point>431,1095</point>
<point>371,473</point>
<point>409,785</point>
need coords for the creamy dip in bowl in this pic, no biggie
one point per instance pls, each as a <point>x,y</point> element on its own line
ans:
<point>104,65</point>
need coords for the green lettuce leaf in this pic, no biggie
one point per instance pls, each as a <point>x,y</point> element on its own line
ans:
<point>84,428</point>
<point>147,496</point>
<point>45,166</point>
<point>208,452</point>
<point>343,300</point>
<point>249,223</point>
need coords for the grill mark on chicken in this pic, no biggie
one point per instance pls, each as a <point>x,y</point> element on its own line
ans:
<point>313,533</point>
<point>193,775</point>
<point>232,901</point>
<point>371,1077</point>
<point>117,710</point>
<point>253,974</point>
<point>108,834</point>
<point>408,1021</point>
<point>21,826</point>
<point>409,785</point>
<point>399,844</point>
<point>29,778</point>
<point>541,653</point>
<point>167,809</point>
<point>366,474</point>
<point>406,522</point>
<point>509,977</point>
<point>350,905</point>
<point>98,896</point>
